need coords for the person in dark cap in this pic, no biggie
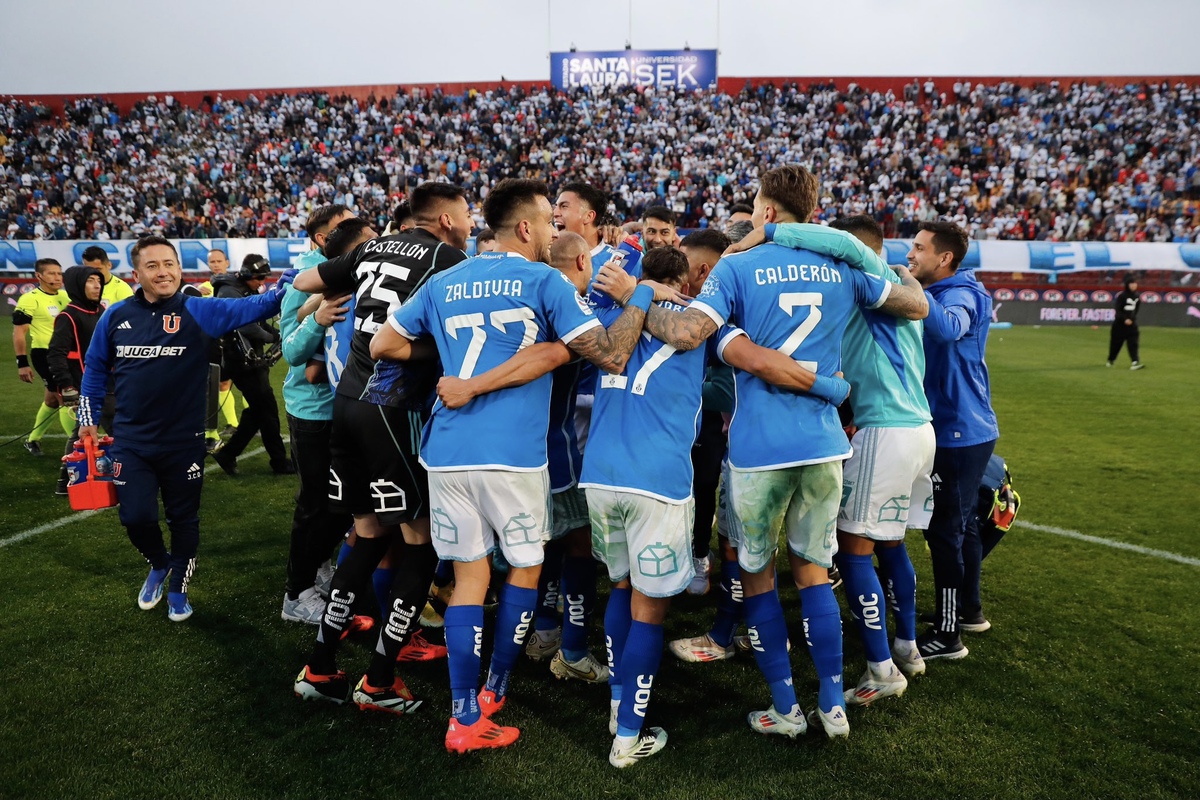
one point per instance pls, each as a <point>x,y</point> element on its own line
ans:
<point>250,369</point>
<point>1125,327</point>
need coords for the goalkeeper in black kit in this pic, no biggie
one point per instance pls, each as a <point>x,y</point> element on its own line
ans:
<point>1125,328</point>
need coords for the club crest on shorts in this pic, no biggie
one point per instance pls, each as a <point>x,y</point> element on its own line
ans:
<point>171,323</point>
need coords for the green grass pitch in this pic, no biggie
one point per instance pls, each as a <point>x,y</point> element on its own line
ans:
<point>1084,687</point>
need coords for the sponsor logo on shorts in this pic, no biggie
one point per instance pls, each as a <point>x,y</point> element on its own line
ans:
<point>657,560</point>
<point>895,509</point>
<point>335,485</point>
<point>521,529</point>
<point>388,496</point>
<point>194,472</point>
<point>444,529</point>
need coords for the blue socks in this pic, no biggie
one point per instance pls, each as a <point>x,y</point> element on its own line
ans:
<point>381,582</point>
<point>898,570</point>
<point>823,631</point>
<point>344,552</point>
<point>617,621</point>
<point>768,640</point>
<point>513,618</point>
<point>579,598</point>
<point>549,587</point>
<point>642,655</point>
<point>464,639</point>
<point>865,597</point>
<point>729,604</point>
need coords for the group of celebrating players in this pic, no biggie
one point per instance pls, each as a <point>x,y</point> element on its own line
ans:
<point>592,396</point>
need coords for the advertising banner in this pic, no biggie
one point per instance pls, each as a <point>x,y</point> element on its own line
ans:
<point>679,69</point>
<point>1042,306</point>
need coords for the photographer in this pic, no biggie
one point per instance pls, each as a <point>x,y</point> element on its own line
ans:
<point>249,352</point>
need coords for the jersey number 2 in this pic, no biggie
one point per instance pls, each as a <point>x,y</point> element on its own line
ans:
<point>792,300</point>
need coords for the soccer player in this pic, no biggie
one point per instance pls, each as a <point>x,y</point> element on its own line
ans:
<point>156,345</point>
<point>886,486</point>
<point>316,528</point>
<point>956,383</point>
<point>785,449</point>
<point>488,477</point>
<point>115,289</point>
<point>1125,328</point>
<point>242,354</point>
<point>34,315</point>
<point>658,227</point>
<point>375,475</point>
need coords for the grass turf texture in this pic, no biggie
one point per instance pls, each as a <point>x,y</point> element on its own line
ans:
<point>1082,689</point>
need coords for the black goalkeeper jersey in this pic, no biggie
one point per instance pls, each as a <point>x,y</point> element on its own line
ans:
<point>383,273</point>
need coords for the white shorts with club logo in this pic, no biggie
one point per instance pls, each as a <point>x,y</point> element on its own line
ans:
<point>886,485</point>
<point>474,510</point>
<point>801,501</point>
<point>644,539</point>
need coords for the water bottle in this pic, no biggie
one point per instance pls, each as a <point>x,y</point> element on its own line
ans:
<point>77,466</point>
<point>104,467</point>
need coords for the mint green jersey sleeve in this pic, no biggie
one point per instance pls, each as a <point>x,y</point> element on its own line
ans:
<point>833,243</point>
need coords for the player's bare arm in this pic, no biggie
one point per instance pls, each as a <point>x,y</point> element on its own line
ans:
<point>908,299</point>
<point>527,365</point>
<point>387,343</point>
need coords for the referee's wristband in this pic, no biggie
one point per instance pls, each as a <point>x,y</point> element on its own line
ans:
<point>641,298</point>
<point>22,362</point>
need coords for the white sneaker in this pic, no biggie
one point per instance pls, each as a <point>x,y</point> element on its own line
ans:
<point>646,745</point>
<point>324,579</point>
<point>772,722</point>
<point>873,687</point>
<point>909,660</point>
<point>699,584</point>
<point>1136,365</point>
<point>586,669</point>
<point>543,644</point>
<point>835,723</point>
<point>700,649</point>
<point>308,607</point>
<point>613,705</point>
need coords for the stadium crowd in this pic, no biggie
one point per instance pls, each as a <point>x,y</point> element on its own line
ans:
<point>1062,162</point>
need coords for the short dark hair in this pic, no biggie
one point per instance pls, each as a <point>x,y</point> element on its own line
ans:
<point>508,197</point>
<point>426,196</point>
<point>794,188</point>
<point>948,237</point>
<point>322,216</point>
<point>739,230</point>
<point>707,238</point>
<point>346,233</point>
<point>95,253</point>
<point>862,226</point>
<point>596,199</point>
<point>254,267</point>
<point>402,213</point>
<point>485,235</point>
<point>40,265</point>
<point>665,265</point>
<point>660,212</point>
<point>741,208</point>
<point>151,240</point>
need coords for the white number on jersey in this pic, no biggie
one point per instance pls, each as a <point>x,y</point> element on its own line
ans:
<point>379,272</point>
<point>499,320</point>
<point>642,376</point>
<point>789,301</point>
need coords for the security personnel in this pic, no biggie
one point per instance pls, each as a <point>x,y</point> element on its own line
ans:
<point>155,346</point>
<point>250,370</point>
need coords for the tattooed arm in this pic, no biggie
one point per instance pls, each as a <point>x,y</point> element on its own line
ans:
<point>683,330</point>
<point>906,300</point>
<point>610,348</point>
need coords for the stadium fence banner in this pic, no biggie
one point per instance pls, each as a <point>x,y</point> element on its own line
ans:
<point>1172,308</point>
<point>679,69</point>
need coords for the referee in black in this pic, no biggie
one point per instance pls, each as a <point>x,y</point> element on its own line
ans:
<point>1125,327</point>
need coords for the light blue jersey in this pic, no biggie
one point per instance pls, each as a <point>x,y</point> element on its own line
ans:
<point>480,313</point>
<point>601,255</point>
<point>644,421</point>
<point>883,355</point>
<point>337,345</point>
<point>796,302</point>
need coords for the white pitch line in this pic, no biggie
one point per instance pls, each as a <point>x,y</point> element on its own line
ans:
<point>58,523</point>
<point>1135,548</point>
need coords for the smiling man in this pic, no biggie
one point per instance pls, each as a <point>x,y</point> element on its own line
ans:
<point>156,346</point>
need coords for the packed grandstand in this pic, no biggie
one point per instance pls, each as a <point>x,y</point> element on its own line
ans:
<point>1055,161</point>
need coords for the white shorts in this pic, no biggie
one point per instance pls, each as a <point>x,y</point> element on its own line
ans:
<point>568,512</point>
<point>801,500</point>
<point>646,540</point>
<point>471,510</point>
<point>886,487</point>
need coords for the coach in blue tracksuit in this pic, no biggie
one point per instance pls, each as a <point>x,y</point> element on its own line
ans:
<point>156,346</point>
<point>956,383</point>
